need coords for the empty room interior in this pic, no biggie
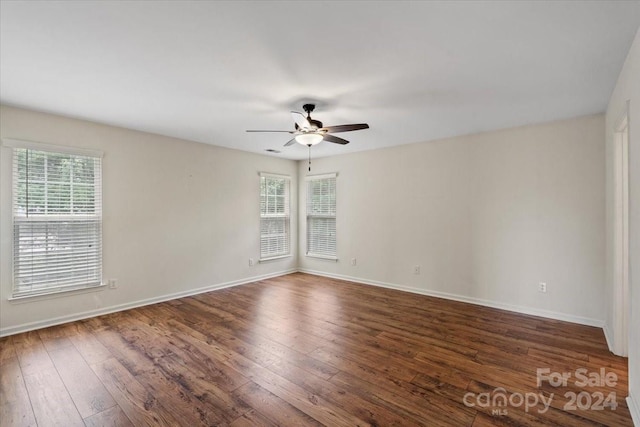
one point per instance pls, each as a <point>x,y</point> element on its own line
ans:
<point>352,213</point>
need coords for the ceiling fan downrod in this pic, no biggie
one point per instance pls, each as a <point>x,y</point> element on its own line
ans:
<point>308,108</point>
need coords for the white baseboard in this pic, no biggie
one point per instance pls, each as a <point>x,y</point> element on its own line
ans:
<point>471,300</point>
<point>634,408</point>
<point>608,335</point>
<point>126,306</point>
<point>611,343</point>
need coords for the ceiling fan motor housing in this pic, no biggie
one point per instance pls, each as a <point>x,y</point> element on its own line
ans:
<point>315,123</point>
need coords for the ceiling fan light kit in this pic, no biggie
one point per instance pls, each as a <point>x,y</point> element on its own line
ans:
<point>312,138</point>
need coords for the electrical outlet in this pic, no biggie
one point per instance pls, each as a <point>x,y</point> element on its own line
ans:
<point>112,283</point>
<point>416,269</point>
<point>353,261</point>
<point>542,287</point>
<point>250,262</point>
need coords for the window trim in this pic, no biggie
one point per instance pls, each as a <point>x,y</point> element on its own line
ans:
<point>60,292</point>
<point>59,149</point>
<point>321,176</point>
<point>307,179</point>
<point>289,253</point>
<point>273,258</point>
<point>54,291</point>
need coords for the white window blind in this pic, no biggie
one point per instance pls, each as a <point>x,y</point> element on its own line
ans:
<point>57,221</point>
<point>274,216</point>
<point>321,216</point>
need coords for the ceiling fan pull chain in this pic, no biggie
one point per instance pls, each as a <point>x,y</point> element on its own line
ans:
<point>309,157</point>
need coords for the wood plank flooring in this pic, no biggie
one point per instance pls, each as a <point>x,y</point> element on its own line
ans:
<point>305,350</point>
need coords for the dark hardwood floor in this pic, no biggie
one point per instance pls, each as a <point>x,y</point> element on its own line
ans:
<point>305,350</point>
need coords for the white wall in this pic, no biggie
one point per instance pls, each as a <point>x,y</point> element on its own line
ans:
<point>486,217</point>
<point>178,216</point>
<point>628,89</point>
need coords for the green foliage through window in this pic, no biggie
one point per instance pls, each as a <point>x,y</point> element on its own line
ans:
<point>54,183</point>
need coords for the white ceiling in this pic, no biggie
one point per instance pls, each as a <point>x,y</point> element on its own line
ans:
<point>415,71</point>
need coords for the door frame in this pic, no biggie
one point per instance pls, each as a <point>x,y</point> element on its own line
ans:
<point>621,235</point>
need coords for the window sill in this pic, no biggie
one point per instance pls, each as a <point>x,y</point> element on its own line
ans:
<point>325,257</point>
<point>273,258</point>
<point>55,294</point>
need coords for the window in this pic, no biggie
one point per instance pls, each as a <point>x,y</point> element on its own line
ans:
<point>57,219</point>
<point>321,216</point>
<point>274,216</point>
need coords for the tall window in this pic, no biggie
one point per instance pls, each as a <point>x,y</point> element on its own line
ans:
<point>57,219</point>
<point>321,216</point>
<point>274,216</point>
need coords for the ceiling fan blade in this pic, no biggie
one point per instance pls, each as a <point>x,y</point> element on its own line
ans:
<point>331,138</point>
<point>283,131</point>
<point>345,128</point>
<point>300,120</point>
<point>290,142</point>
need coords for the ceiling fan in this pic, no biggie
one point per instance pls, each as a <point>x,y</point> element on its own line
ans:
<point>311,132</point>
